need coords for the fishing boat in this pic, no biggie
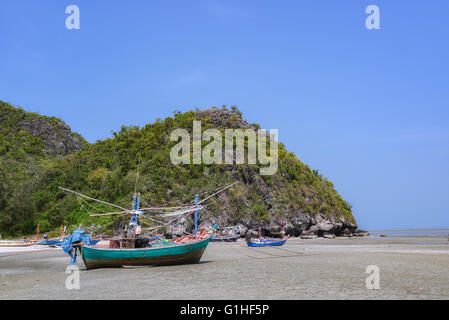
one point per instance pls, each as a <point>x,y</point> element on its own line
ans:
<point>59,242</point>
<point>15,244</point>
<point>133,249</point>
<point>221,236</point>
<point>164,253</point>
<point>266,242</point>
<point>223,239</point>
<point>261,242</point>
<point>52,242</point>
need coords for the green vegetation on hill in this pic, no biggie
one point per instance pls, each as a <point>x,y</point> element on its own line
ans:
<point>33,164</point>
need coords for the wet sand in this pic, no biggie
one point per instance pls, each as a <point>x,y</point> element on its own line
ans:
<point>410,268</point>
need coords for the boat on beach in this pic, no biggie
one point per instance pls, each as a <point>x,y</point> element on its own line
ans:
<point>134,249</point>
<point>15,243</point>
<point>223,239</point>
<point>52,242</point>
<point>59,242</point>
<point>165,253</point>
<point>223,235</point>
<point>266,242</point>
<point>262,242</point>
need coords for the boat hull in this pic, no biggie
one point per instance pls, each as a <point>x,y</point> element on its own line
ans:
<point>267,243</point>
<point>154,256</point>
<point>224,239</point>
<point>14,244</point>
<point>59,242</point>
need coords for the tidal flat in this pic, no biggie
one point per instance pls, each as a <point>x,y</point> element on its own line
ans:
<point>409,268</point>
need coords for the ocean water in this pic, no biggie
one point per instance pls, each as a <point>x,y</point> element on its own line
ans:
<point>412,232</point>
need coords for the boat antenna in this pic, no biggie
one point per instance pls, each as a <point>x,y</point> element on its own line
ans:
<point>196,217</point>
<point>138,167</point>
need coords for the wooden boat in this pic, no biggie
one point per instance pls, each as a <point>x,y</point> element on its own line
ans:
<point>162,254</point>
<point>261,242</point>
<point>266,242</point>
<point>128,251</point>
<point>223,239</point>
<point>11,243</point>
<point>59,242</point>
<point>133,250</point>
<point>52,242</point>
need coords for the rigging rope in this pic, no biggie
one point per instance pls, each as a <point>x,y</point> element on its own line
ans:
<point>191,196</point>
<point>87,203</point>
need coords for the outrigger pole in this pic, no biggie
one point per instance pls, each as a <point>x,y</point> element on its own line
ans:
<point>136,204</point>
<point>82,195</point>
<point>217,193</point>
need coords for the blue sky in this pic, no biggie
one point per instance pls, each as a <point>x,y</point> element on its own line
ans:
<point>368,108</point>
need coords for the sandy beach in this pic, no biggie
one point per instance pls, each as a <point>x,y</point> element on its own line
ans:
<point>410,268</point>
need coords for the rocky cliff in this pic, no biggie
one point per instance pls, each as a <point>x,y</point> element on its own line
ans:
<point>299,198</point>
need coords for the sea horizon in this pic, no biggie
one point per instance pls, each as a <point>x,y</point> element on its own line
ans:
<point>411,232</point>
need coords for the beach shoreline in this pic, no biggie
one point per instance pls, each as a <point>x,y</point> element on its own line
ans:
<point>410,268</point>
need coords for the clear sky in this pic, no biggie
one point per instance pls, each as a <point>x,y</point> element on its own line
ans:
<point>368,108</point>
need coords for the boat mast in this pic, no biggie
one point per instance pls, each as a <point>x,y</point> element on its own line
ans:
<point>196,217</point>
<point>133,210</point>
<point>137,209</point>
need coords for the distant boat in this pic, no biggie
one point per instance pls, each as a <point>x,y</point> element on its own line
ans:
<point>52,242</point>
<point>219,237</point>
<point>223,239</point>
<point>266,242</point>
<point>59,242</point>
<point>261,242</point>
<point>12,243</point>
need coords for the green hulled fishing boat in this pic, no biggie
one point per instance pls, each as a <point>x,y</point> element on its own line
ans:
<point>159,254</point>
<point>134,249</point>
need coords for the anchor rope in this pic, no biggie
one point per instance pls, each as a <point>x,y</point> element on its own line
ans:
<point>271,254</point>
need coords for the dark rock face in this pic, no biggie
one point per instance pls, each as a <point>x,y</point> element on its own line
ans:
<point>224,118</point>
<point>303,225</point>
<point>58,138</point>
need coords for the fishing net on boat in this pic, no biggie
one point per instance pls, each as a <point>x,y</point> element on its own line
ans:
<point>142,242</point>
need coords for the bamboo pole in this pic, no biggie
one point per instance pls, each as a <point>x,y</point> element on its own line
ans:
<point>216,193</point>
<point>90,198</point>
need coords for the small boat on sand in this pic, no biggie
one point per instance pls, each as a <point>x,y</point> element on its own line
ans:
<point>261,242</point>
<point>223,239</point>
<point>266,242</point>
<point>222,236</point>
<point>52,242</point>
<point>12,243</point>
